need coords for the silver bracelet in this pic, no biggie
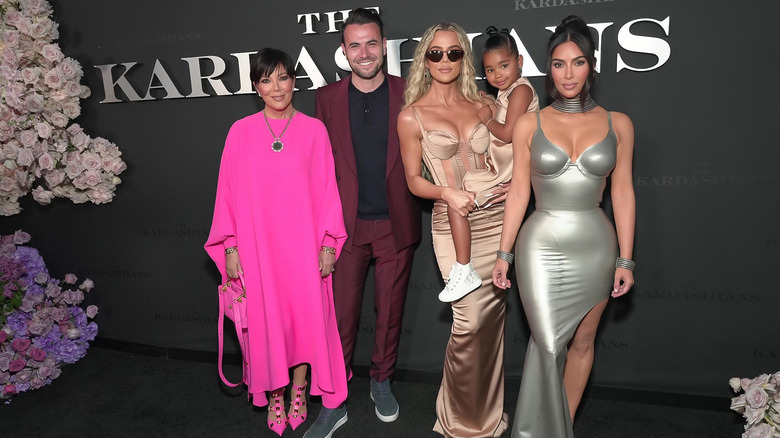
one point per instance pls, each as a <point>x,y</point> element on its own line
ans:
<point>231,250</point>
<point>503,255</point>
<point>625,264</point>
<point>328,249</point>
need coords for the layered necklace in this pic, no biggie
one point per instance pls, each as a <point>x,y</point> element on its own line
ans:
<point>573,105</point>
<point>277,145</point>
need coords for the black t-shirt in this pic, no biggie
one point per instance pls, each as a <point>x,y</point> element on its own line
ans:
<point>369,116</point>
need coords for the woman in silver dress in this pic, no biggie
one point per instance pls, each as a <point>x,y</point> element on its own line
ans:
<point>567,251</point>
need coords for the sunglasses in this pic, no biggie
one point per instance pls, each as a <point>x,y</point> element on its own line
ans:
<point>453,55</point>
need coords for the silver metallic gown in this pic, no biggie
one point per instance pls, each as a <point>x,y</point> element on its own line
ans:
<point>565,256</point>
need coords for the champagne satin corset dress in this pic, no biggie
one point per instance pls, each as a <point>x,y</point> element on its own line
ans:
<point>565,261</point>
<point>470,403</point>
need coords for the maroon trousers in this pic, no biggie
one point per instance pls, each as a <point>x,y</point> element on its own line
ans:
<point>372,240</point>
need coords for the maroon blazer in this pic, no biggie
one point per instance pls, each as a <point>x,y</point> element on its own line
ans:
<point>332,107</point>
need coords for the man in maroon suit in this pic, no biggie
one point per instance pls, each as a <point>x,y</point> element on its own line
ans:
<point>381,215</point>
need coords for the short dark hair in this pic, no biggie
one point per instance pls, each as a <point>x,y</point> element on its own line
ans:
<point>574,29</point>
<point>362,16</point>
<point>500,39</point>
<point>264,62</point>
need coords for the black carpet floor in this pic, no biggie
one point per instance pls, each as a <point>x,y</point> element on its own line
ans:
<point>113,393</point>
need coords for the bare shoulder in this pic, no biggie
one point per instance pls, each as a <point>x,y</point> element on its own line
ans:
<point>621,121</point>
<point>406,115</point>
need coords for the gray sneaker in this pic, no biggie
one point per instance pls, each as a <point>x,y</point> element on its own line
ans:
<point>327,422</point>
<point>386,406</point>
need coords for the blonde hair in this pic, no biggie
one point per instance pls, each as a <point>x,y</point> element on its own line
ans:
<point>418,83</point>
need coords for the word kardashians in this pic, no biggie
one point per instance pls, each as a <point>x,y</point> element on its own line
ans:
<point>212,75</point>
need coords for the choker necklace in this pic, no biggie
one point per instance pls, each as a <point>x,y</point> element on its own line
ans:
<point>566,105</point>
<point>277,145</point>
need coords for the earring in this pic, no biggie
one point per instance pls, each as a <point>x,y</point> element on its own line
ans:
<point>427,75</point>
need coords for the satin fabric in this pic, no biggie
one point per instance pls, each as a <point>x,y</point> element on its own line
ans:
<point>565,262</point>
<point>279,208</point>
<point>470,402</point>
<point>498,160</point>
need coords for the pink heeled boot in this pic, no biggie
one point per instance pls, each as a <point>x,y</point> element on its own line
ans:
<point>296,416</point>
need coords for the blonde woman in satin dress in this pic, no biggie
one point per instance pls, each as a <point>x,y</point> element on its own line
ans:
<point>567,251</point>
<point>439,125</point>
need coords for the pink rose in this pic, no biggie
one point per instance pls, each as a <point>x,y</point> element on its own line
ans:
<point>34,103</point>
<point>27,305</point>
<point>45,371</point>
<point>762,430</point>
<point>20,237</point>
<point>27,137</point>
<point>60,314</point>
<point>57,119</point>
<point>43,130</point>
<point>92,311</point>
<point>101,196</point>
<point>54,177</point>
<point>21,344</point>
<point>23,376</point>
<point>52,52</point>
<point>37,382</point>
<point>7,185</point>
<point>56,373</point>
<point>42,196</point>
<point>53,290</point>
<point>4,335</point>
<point>71,109</point>
<point>73,89</point>
<point>90,161</point>
<point>30,75</point>
<point>37,328</point>
<point>42,278</point>
<point>46,162</point>
<point>87,285</point>
<point>73,296</point>
<point>72,170</point>
<point>9,389</point>
<point>9,56</point>
<point>5,361</point>
<point>38,354</point>
<point>70,69</point>
<point>85,92</point>
<point>71,279</point>
<point>13,17</point>
<point>52,78</point>
<point>756,397</point>
<point>40,29</point>
<point>16,365</point>
<point>119,167</point>
<point>10,37</point>
<point>25,157</point>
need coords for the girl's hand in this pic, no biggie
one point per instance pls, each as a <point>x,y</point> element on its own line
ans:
<point>327,262</point>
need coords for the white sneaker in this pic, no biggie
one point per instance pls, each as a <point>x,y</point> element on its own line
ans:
<point>463,280</point>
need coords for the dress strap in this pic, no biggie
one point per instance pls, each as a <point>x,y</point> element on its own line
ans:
<point>538,121</point>
<point>419,120</point>
<point>609,119</point>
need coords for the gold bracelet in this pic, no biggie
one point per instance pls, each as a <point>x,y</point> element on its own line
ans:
<point>329,249</point>
<point>231,250</point>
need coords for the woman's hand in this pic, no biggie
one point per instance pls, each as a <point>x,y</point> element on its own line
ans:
<point>624,279</point>
<point>499,195</point>
<point>327,261</point>
<point>500,271</point>
<point>233,265</point>
<point>461,201</point>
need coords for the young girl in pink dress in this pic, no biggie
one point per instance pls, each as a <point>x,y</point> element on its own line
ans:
<point>503,69</point>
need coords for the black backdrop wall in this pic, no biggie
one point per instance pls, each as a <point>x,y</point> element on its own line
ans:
<point>698,80</point>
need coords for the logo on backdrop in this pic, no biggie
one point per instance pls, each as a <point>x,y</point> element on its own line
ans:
<point>537,4</point>
<point>190,315</point>
<point>702,175</point>
<point>179,229</point>
<point>207,74</point>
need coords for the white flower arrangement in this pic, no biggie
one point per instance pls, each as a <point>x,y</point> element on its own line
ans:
<point>760,404</point>
<point>40,90</point>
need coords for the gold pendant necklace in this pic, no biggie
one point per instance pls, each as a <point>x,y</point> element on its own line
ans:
<point>277,145</point>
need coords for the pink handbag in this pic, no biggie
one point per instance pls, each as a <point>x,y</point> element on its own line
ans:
<point>232,303</point>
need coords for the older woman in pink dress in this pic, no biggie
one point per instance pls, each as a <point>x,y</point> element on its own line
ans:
<point>278,220</point>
